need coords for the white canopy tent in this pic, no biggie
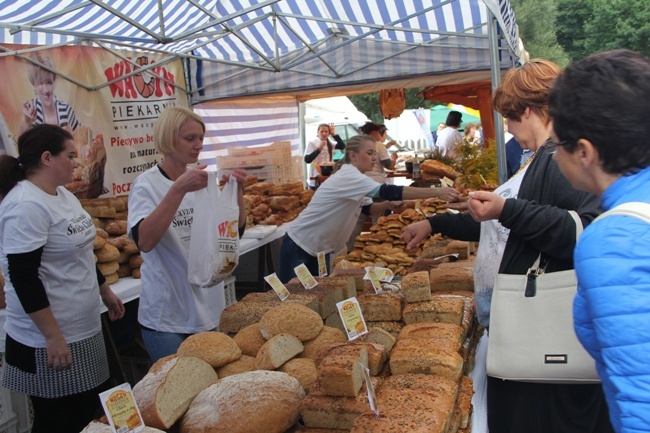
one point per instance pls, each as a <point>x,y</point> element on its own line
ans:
<point>296,49</point>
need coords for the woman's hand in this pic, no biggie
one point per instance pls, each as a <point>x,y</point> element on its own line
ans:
<point>447,193</point>
<point>239,174</point>
<point>485,205</point>
<point>112,302</point>
<point>192,180</point>
<point>58,352</point>
<point>332,129</point>
<point>461,205</point>
<point>29,111</point>
<point>416,232</point>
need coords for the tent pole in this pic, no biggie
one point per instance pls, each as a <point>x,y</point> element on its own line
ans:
<point>495,68</point>
<point>303,139</point>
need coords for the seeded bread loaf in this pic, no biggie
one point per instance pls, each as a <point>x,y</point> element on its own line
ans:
<point>416,287</point>
<point>253,402</point>
<point>237,316</point>
<point>295,319</point>
<point>215,348</point>
<point>250,340</point>
<point>446,310</point>
<point>382,307</point>
<point>339,374</point>
<point>276,351</point>
<point>451,278</point>
<point>376,354</point>
<point>379,336</point>
<point>416,356</point>
<point>326,336</point>
<point>440,331</point>
<point>166,391</point>
<point>242,365</point>
<point>303,369</point>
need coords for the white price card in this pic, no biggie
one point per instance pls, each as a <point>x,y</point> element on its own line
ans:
<point>322,264</point>
<point>121,410</point>
<point>305,277</point>
<point>277,286</point>
<point>370,388</point>
<point>352,318</point>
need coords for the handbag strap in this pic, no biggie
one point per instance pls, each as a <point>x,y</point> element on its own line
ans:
<point>635,209</point>
<point>579,228</point>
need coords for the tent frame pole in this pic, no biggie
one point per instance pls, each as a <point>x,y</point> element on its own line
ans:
<point>495,63</point>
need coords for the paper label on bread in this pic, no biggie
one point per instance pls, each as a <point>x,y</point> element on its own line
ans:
<point>322,264</point>
<point>277,286</point>
<point>305,277</point>
<point>352,318</point>
<point>370,388</point>
<point>121,410</point>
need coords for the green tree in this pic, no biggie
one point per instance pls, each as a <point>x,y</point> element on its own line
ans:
<point>570,26</point>
<point>536,21</point>
<point>619,24</point>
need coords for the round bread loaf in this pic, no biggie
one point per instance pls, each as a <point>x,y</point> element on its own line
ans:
<point>116,227</point>
<point>108,268</point>
<point>252,402</point>
<point>291,318</point>
<point>303,369</point>
<point>250,340</point>
<point>135,261</point>
<point>242,365</point>
<point>135,273</point>
<point>327,335</point>
<point>112,278</point>
<point>124,270</point>
<point>99,242</point>
<point>214,347</point>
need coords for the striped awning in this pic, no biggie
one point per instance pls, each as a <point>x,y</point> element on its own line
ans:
<point>236,48</point>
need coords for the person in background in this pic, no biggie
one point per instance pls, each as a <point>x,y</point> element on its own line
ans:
<point>478,134</point>
<point>600,110</point>
<point>469,136</point>
<point>384,160</point>
<point>525,217</point>
<point>54,349</point>
<point>435,133</point>
<point>327,221</point>
<point>161,204</point>
<point>320,150</point>
<point>513,152</point>
<point>450,137</point>
<point>45,107</point>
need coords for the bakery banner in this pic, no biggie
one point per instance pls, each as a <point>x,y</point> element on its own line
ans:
<point>112,125</point>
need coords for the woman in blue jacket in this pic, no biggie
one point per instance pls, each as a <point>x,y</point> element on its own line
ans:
<point>600,112</point>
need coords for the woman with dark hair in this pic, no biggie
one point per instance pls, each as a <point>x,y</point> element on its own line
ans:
<point>384,160</point>
<point>525,217</point>
<point>54,349</point>
<point>600,112</point>
<point>320,150</point>
<point>327,221</point>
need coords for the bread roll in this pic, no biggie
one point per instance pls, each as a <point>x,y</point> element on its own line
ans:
<point>135,273</point>
<point>215,348</point>
<point>116,228</point>
<point>167,390</point>
<point>99,242</point>
<point>242,365</point>
<point>108,268</point>
<point>250,340</point>
<point>253,402</point>
<point>124,270</point>
<point>135,261</point>
<point>107,253</point>
<point>101,232</point>
<point>112,278</point>
<point>118,241</point>
<point>294,319</point>
<point>278,350</point>
<point>303,369</point>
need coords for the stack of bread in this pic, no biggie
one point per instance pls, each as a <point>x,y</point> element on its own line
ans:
<point>117,255</point>
<point>274,204</point>
<point>434,170</point>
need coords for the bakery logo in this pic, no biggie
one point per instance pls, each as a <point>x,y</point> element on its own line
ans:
<point>228,236</point>
<point>183,218</point>
<point>79,224</point>
<point>139,95</point>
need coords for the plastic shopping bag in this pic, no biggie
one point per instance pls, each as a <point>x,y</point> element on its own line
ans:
<point>214,246</point>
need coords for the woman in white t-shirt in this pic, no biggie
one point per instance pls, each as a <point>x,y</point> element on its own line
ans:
<point>327,221</point>
<point>161,208</point>
<point>54,346</point>
<point>321,150</point>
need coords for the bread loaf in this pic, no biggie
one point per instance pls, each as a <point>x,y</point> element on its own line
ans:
<point>339,374</point>
<point>447,310</point>
<point>253,402</point>
<point>294,319</point>
<point>112,278</point>
<point>392,327</point>
<point>376,354</point>
<point>303,369</point>
<point>107,253</point>
<point>242,365</point>
<point>216,348</point>
<point>429,331</point>
<point>116,228</point>
<point>250,340</point>
<point>380,336</point>
<point>464,401</point>
<point>325,337</point>
<point>99,242</point>
<point>108,268</point>
<point>309,300</point>
<point>237,316</point>
<point>416,356</point>
<point>319,410</point>
<point>416,287</point>
<point>424,423</point>
<point>382,307</point>
<point>456,278</point>
<point>276,351</point>
<point>166,391</point>
<point>328,294</point>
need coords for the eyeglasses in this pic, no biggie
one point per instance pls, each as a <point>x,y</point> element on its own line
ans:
<point>552,145</point>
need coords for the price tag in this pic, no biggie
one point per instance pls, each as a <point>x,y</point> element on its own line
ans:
<point>445,181</point>
<point>370,388</point>
<point>277,286</point>
<point>121,410</point>
<point>374,279</point>
<point>383,274</point>
<point>352,318</point>
<point>322,264</point>
<point>305,276</point>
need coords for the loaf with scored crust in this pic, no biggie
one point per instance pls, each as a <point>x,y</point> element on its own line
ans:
<point>339,373</point>
<point>447,310</point>
<point>416,356</point>
<point>215,348</point>
<point>295,319</point>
